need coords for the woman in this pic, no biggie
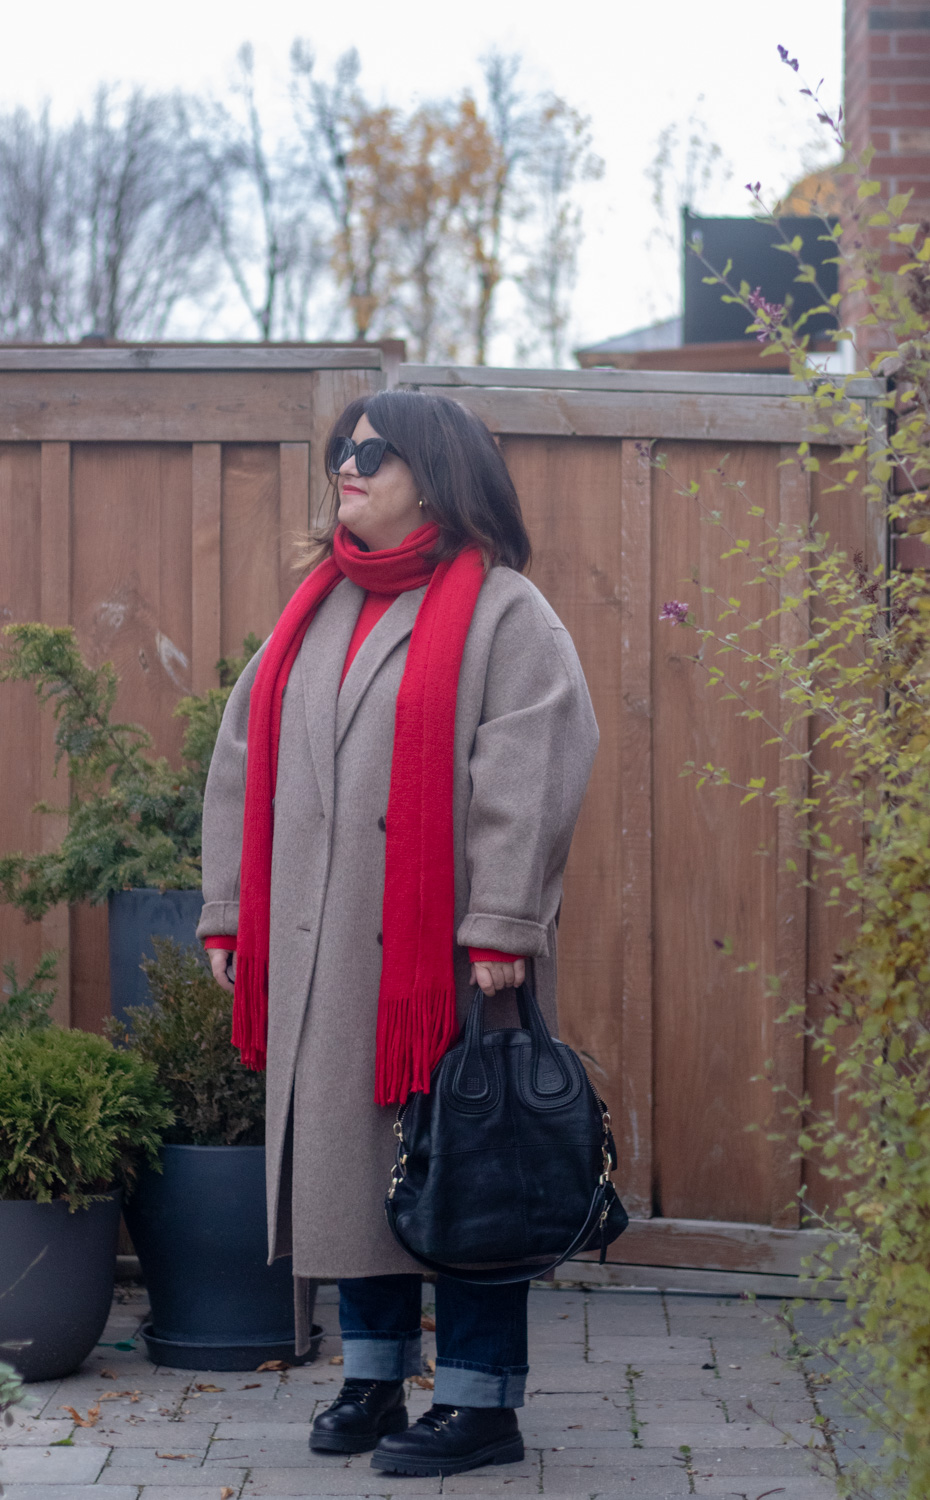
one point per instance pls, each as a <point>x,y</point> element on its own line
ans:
<point>397,777</point>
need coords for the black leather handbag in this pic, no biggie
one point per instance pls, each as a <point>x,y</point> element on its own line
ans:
<point>503,1170</point>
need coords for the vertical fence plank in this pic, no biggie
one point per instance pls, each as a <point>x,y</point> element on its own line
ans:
<point>790,935</point>
<point>55,609</point>
<point>206,529</point>
<point>635,773</point>
<point>295,512</point>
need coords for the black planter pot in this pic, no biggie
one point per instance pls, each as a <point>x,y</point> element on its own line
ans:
<point>56,1281</point>
<point>135,917</point>
<point>199,1232</point>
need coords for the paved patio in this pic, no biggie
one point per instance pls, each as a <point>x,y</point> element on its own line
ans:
<point>632,1393</point>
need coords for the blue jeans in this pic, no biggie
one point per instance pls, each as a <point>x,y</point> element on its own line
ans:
<point>481,1357</point>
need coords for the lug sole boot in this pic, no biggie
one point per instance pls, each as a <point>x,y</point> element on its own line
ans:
<point>363,1412</point>
<point>452,1440</point>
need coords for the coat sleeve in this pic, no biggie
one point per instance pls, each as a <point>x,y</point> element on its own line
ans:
<point>223,804</point>
<point>529,766</point>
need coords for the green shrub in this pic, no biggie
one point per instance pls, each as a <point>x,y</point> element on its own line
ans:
<point>12,1392</point>
<point>75,1115</point>
<point>134,819</point>
<point>852,669</point>
<point>25,1007</point>
<point>185,1036</point>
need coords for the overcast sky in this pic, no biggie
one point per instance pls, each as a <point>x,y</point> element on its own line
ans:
<point>634,67</point>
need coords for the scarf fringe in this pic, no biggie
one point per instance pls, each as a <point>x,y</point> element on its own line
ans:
<point>250,1011</point>
<point>414,1032</point>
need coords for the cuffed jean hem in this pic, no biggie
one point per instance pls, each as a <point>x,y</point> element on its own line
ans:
<point>460,1384</point>
<point>368,1356</point>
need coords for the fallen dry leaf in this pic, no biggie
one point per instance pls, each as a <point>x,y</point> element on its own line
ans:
<point>573,1426</point>
<point>226,1492</point>
<point>115,1395</point>
<point>273,1364</point>
<point>205,1387</point>
<point>336,1359</point>
<point>255,1386</point>
<point>107,1375</point>
<point>174,1455</point>
<point>425,1382</point>
<point>428,1323</point>
<point>431,1366</point>
<point>92,1418</point>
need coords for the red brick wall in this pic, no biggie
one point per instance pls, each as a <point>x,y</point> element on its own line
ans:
<point>887,93</point>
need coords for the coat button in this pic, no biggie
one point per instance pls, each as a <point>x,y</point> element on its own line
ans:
<point>380,939</point>
<point>382,825</point>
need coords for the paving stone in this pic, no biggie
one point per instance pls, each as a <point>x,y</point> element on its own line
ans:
<point>548,1438</point>
<point>605,1481</point>
<point>51,1465</point>
<point>139,1458</point>
<point>176,1492</point>
<point>341,1478</point>
<point>786,1489</point>
<point>37,1433</point>
<point>272,1430</point>
<point>670,1412</point>
<point>278,1453</point>
<point>641,1352</point>
<point>67,1492</point>
<point>748,1462</point>
<point>218,1411</point>
<point>555,1379</point>
<point>490,1481</point>
<point>186,1476</point>
<point>133,1433</point>
<point>726,1435</point>
<point>700,1386</point>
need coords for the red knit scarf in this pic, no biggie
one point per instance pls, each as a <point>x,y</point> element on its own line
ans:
<point>416,1002</point>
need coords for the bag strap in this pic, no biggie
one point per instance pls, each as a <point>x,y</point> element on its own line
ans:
<point>505,1275</point>
<point>471,1082</point>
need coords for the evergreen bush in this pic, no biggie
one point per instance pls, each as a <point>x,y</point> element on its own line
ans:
<point>133,820</point>
<point>185,1037</point>
<point>76,1114</point>
<point>12,1392</point>
<point>26,1006</point>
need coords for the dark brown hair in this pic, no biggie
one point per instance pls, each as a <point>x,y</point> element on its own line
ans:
<point>457,468</point>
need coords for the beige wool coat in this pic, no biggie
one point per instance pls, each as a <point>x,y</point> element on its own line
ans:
<point>524,744</point>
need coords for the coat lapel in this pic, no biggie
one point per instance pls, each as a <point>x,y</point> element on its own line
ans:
<point>317,671</point>
<point>390,630</point>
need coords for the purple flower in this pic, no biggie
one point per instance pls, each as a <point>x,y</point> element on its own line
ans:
<point>675,612</point>
<point>769,314</point>
<point>791,61</point>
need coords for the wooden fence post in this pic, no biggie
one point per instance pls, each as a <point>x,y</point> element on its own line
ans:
<point>635,773</point>
<point>55,609</point>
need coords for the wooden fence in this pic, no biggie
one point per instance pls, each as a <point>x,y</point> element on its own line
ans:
<point>659,873</point>
<point>148,497</point>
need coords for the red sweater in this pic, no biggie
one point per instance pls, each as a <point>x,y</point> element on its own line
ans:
<point>373,607</point>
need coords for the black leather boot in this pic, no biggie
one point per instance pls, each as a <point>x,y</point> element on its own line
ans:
<point>363,1412</point>
<point>450,1440</point>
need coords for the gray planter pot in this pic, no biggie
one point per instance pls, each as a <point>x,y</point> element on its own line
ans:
<point>135,918</point>
<point>56,1280</point>
<point>199,1231</point>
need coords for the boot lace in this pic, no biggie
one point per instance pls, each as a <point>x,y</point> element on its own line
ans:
<point>437,1417</point>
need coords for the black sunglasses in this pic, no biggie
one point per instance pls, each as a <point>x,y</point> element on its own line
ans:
<point>368,454</point>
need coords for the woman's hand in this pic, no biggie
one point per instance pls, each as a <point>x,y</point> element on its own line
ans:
<point>219,959</point>
<point>493,977</point>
